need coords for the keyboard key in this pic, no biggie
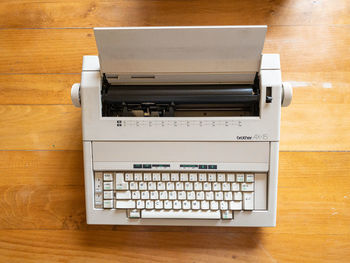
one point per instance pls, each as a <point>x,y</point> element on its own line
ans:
<point>191,195</point>
<point>183,177</point>
<point>147,177</point>
<point>108,195</point>
<point>226,187</point>
<point>98,182</point>
<point>174,214</point>
<point>219,196</point>
<point>142,186</point>
<point>200,195</point>
<point>108,204</point>
<point>156,177</point>
<point>228,196</point>
<point>98,200</point>
<point>249,178</point>
<point>234,187</point>
<point>179,186</point>
<point>129,177</point>
<point>237,196</point>
<point>140,204</point>
<point>160,186</point>
<point>240,178</point>
<point>207,186</point>
<point>181,195</point>
<point>188,186</point>
<point>152,186</point>
<point>174,177</point>
<point>247,187</point>
<point>120,184</point>
<point>205,205</point>
<point>168,204</point>
<point>158,204</point>
<point>177,205</point>
<point>209,196</point>
<point>138,177</point>
<point>134,213</point>
<point>202,177</point>
<point>230,177</point>
<point>125,204</point>
<point>135,194</point>
<point>108,177</point>
<point>223,205</point>
<point>165,177</point>
<point>186,205</point>
<point>108,186</point>
<point>133,186</point>
<point>163,195</point>
<point>170,186</point>
<point>248,201</point>
<point>149,204</point>
<point>193,177</point>
<point>216,186</point>
<point>196,205</point>
<point>214,205</point>
<point>211,177</point>
<point>226,214</point>
<point>235,205</point>
<point>154,195</point>
<point>172,195</point>
<point>144,195</point>
<point>221,177</point>
<point>198,186</point>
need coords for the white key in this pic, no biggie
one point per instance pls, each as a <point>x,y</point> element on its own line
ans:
<point>249,178</point>
<point>237,196</point>
<point>163,195</point>
<point>144,195</point>
<point>140,204</point>
<point>108,204</point>
<point>147,177</point>
<point>98,182</point>
<point>211,177</point>
<point>193,177</point>
<point>248,201</point>
<point>235,205</point>
<point>168,204</point>
<point>125,204</point>
<point>191,195</point>
<point>174,177</point>
<point>240,178</point>
<point>98,199</point>
<point>108,195</point>
<point>198,186</point>
<point>226,214</point>
<point>179,214</point>
<point>177,205</point>
<point>152,186</point>
<point>179,186</point>
<point>123,195</point>
<point>200,195</point>
<point>223,205</point>
<point>134,213</point>
<point>221,177</point>
<point>138,177</point>
<point>154,195</point>
<point>142,186</point>
<point>214,205</point>
<point>219,196</point>
<point>156,177</point>
<point>108,177</point>
<point>207,186</point>
<point>108,186</point>
<point>133,186</point>
<point>205,205</point>
<point>247,187</point>
<point>217,186</point>
<point>172,195</point>
<point>160,186</point>
<point>183,177</point>
<point>181,195</point>
<point>129,177</point>
<point>202,177</point>
<point>226,187</point>
<point>186,205</point>
<point>149,204</point>
<point>228,196</point>
<point>209,195</point>
<point>158,204</point>
<point>135,194</point>
<point>170,186</point>
<point>230,177</point>
<point>188,186</point>
<point>196,205</point>
<point>165,177</point>
<point>120,184</point>
<point>234,187</point>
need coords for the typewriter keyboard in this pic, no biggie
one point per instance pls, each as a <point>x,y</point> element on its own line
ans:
<point>176,195</point>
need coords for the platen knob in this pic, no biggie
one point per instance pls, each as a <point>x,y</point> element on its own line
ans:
<point>287,94</point>
<point>75,94</point>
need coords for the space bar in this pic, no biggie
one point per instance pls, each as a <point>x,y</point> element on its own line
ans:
<point>180,214</point>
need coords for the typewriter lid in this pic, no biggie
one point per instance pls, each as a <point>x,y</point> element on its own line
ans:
<point>199,49</point>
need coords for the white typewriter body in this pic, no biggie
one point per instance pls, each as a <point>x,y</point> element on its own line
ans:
<point>131,138</point>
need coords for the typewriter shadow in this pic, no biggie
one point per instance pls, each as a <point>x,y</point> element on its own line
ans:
<point>157,239</point>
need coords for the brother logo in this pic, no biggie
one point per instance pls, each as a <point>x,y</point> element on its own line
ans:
<point>244,137</point>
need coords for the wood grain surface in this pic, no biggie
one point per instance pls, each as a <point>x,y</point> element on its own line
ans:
<point>42,197</point>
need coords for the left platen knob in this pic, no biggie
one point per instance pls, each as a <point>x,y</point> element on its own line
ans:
<point>75,94</point>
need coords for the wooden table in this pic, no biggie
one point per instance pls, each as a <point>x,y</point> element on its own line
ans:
<point>42,214</point>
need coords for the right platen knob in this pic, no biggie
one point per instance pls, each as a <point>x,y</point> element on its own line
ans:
<point>287,94</point>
